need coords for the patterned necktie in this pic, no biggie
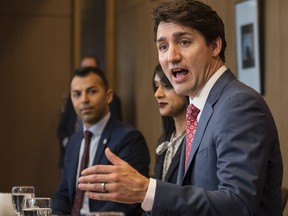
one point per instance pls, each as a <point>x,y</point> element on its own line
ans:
<point>191,125</point>
<point>78,200</point>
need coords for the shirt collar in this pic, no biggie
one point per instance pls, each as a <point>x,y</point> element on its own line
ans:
<point>200,99</point>
<point>97,128</point>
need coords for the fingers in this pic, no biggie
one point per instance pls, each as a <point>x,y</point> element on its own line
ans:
<point>95,178</point>
<point>104,169</point>
<point>107,196</point>
<point>97,187</point>
<point>97,169</point>
<point>113,158</point>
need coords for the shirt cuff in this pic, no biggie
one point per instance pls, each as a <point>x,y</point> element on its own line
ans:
<point>148,201</point>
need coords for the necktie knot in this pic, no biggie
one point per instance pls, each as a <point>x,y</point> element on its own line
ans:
<point>192,112</point>
<point>87,135</point>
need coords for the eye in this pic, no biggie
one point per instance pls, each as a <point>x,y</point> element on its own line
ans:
<point>156,84</point>
<point>162,47</point>
<point>184,42</point>
<point>75,94</point>
<point>167,86</point>
<point>92,91</point>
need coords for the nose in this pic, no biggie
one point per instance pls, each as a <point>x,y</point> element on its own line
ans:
<point>173,54</point>
<point>84,98</point>
<point>159,92</point>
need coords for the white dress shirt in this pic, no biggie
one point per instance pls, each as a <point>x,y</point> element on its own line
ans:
<point>96,130</point>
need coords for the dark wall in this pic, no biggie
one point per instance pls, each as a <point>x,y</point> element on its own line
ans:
<point>93,29</point>
<point>35,57</point>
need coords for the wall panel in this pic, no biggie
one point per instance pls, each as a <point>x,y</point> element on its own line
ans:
<point>35,43</point>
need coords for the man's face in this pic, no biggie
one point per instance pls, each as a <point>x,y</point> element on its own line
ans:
<point>187,60</point>
<point>90,99</point>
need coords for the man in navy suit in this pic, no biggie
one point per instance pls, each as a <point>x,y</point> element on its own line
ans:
<point>91,96</point>
<point>235,165</point>
<point>69,122</point>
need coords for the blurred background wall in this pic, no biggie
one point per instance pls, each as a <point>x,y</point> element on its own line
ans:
<point>41,42</point>
<point>36,60</point>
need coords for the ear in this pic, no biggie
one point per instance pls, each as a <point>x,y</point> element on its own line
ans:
<point>216,46</point>
<point>109,95</point>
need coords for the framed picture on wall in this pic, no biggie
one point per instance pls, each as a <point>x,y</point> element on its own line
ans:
<point>249,40</point>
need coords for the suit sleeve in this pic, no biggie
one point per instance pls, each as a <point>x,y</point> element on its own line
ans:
<point>61,204</point>
<point>62,201</point>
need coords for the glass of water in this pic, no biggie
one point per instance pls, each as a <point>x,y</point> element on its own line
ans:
<point>37,206</point>
<point>18,194</point>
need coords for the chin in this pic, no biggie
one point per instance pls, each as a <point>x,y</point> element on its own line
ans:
<point>180,91</point>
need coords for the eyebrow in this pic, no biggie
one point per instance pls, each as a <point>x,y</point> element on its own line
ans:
<point>175,35</point>
<point>75,90</point>
<point>86,89</point>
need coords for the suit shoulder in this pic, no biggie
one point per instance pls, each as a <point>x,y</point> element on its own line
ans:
<point>125,128</point>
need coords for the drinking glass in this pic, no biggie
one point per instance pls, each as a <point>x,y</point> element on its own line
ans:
<point>111,213</point>
<point>37,206</point>
<point>18,194</point>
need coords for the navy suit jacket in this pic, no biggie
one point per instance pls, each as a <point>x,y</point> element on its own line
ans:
<point>126,142</point>
<point>235,165</point>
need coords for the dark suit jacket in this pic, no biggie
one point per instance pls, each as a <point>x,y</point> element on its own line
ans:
<point>235,166</point>
<point>172,172</point>
<point>124,141</point>
<point>66,127</point>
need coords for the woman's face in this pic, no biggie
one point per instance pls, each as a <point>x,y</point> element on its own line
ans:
<point>169,103</point>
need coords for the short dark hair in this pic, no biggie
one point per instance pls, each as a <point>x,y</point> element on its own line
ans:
<point>193,14</point>
<point>82,72</point>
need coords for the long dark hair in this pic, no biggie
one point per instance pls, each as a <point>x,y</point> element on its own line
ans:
<point>168,124</point>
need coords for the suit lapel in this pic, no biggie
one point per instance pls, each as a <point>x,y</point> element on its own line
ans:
<point>181,170</point>
<point>207,112</point>
<point>76,145</point>
<point>104,141</point>
<point>74,150</point>
<point>159,166</point>
<point>174,163</point>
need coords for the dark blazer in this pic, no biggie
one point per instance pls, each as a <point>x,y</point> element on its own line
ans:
<point>172,172</point>
<point>235,165</point>
<point>66,127</point>
<point>126,142</point>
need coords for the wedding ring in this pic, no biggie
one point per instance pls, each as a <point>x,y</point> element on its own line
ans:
<point>103,189</point>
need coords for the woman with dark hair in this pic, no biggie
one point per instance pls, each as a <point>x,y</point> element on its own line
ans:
<point>172,108</point>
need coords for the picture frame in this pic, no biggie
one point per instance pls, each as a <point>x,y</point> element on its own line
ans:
<point>249,39</point>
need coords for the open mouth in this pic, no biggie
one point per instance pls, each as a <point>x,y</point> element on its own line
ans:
<point>179,72</point>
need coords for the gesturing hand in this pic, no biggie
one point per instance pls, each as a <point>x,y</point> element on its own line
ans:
<point>118,182</point>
